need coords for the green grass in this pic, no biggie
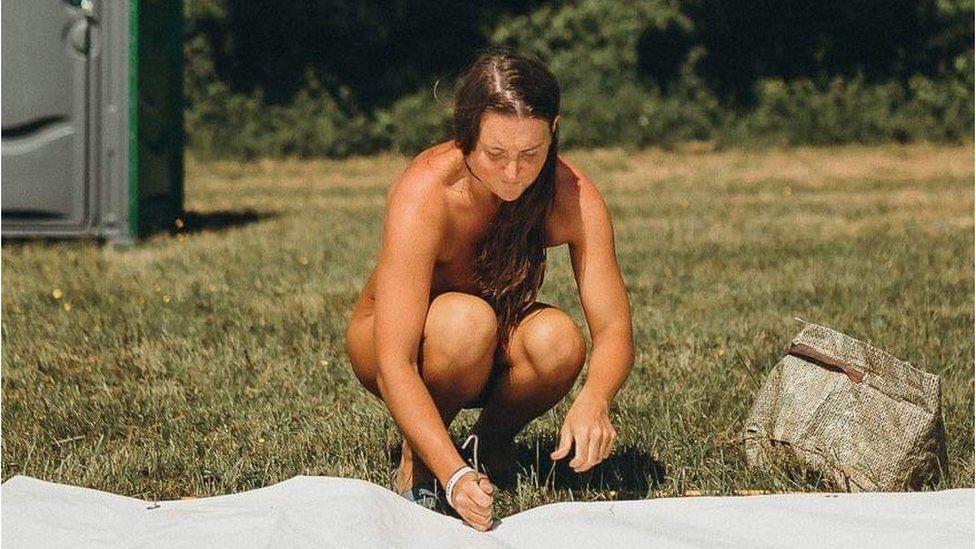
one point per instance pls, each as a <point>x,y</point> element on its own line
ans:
<point>211,361</point>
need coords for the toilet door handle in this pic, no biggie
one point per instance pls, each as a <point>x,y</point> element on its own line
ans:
<point>80,32</point>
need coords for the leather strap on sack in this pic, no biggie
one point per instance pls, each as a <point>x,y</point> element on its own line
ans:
<point>808,353</point>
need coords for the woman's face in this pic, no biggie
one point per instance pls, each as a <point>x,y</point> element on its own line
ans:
<point>510,153</point>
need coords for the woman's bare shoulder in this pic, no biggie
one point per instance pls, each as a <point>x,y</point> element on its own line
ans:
<point>430,172</point>
<point>422,187</point>
<point>576,198</point>
<point>574,190</point>
<point>440,163</point>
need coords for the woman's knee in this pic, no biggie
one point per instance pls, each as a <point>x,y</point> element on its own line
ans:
<point>460,327</point>
<point>459,344</point>
<point>554,347</point>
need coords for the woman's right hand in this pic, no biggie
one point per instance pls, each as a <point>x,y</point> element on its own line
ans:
<point>473,500</point>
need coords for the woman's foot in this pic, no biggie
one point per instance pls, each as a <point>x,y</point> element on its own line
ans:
<point>497,458</point>
<point>413,481</point>
<point>411,472</point>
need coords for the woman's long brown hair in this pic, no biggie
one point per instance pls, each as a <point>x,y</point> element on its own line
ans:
<point>511,259</point>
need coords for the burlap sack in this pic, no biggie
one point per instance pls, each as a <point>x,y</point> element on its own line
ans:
<point>866,420</point>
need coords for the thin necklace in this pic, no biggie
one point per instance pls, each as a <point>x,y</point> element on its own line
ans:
<point>468,166</point>
<point>474,175</point>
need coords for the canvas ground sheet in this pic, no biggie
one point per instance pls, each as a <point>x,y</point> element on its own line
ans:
<point>337,512</point>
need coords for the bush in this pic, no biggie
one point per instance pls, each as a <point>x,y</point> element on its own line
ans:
<point>633,74</point>
<point>313,124</point>
<point>800,112</point>
<point>844,111</point>
<point>416,121</point>
<point>685,111</point>
<point>591,46</point>
<point>942,110</point>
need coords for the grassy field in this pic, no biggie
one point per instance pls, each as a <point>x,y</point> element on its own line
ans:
<point>211,360</point>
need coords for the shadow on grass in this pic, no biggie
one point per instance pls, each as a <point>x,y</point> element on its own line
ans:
<point>195,222</point>
<point>190,222</point>
<point>25,241</point>
<point>629,473</point>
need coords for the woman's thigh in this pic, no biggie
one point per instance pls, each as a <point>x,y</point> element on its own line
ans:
<point>548,344</point>
<point>359,348</point>
<point>546,349</point>
<point>450,309</point>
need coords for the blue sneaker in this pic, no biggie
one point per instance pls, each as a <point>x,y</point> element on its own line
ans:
<point>425,497</point>
<point>422,495</point>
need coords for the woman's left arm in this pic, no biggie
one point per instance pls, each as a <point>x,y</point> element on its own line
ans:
<point>607,310</point>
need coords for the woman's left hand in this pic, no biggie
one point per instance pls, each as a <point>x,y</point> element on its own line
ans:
<point>587,427</point>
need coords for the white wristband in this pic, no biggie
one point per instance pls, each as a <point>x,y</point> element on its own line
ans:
<point>449,489</point>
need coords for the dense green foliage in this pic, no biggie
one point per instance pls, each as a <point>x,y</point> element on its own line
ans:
<point>333,78</point>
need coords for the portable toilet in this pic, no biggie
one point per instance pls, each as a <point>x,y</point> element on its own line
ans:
<point>92,124</point>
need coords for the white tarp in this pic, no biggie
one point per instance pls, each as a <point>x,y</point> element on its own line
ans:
<point>336,512</point>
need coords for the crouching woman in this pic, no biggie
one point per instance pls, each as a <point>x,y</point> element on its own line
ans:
<point>448,318</point>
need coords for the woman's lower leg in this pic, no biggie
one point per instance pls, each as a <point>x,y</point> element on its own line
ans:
<point>546,358</point>
<point>450,390</point>
<point>455,360</point>
<point>412,470</point>
<point>517,400</point>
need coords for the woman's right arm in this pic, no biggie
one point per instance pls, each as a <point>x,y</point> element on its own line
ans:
<point>412,234</point>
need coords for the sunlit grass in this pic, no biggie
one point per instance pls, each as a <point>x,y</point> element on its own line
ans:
<point>211,361</point>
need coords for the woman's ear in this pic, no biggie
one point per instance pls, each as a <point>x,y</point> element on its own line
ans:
<point>555,125</point>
